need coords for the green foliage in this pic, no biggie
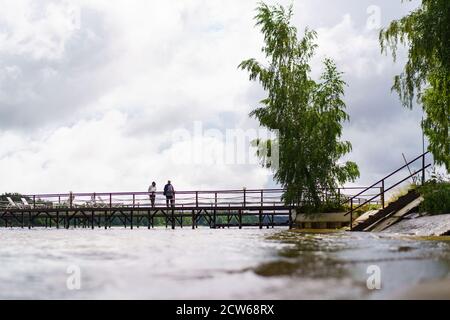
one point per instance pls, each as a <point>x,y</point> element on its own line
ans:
<point>16,197</point>
<point>307,115</point>
<point>427,73</point>
<point>436,196</point>
<point>327,206</point>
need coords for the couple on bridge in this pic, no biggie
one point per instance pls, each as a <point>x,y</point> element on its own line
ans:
<point>169,192</point>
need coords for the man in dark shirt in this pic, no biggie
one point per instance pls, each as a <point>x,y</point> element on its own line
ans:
<point>169,192</point>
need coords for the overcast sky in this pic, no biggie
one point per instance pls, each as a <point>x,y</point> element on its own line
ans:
<point>91,92</point>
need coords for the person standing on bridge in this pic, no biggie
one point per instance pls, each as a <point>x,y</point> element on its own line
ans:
<point>169,192</point>
<point>151,191</point>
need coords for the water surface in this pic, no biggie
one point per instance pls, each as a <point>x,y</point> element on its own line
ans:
<point>213,264</point>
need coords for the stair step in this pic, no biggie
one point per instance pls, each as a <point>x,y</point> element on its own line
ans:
<point>391,209</point>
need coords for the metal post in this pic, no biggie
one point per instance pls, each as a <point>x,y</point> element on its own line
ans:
<point>173,219</point>
<point>423,169</point>
<point>382,193</point>
<point>240,218</point>
<point>351,214</point>
<point>290,219</point>
<point>196,199</point>
<point>273,220</point>
<point>131,219</point>
<point>260,210</point>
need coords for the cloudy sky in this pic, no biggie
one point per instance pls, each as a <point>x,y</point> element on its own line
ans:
<point>93,92</point>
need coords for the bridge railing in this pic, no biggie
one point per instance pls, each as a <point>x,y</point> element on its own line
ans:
<point>243,198</point>
<point>414,170</point>
<point>219,198</point>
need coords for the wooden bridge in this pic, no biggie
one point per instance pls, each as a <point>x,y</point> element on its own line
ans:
<point>216,209</point>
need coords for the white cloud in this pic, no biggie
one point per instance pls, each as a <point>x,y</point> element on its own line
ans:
<point>97,155</point>
<point>356,50</point>
<point>37,29</point>
<point>91,91</point>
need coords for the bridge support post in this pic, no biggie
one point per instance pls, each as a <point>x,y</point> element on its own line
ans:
<point>167,222</point>
<point>273,220</point>
<point>193,219</point>
<point>131,219</point>
<point>290,219</point>
<point>93,220</point>
<point>240,218</point>
<point>423,169</point>
<point>260,219</point>
<point>173,219</point>
<point>57,219</point>
<point>153,219</point>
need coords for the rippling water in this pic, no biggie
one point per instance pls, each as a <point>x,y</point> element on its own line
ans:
<point>212,264</point>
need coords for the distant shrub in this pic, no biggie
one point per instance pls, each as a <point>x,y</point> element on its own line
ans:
<point>436,196</point>
<point>13,196</point>
<point>325,207</point>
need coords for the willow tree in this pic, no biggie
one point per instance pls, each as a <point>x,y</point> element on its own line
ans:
<point>307,114</point>
<point>426,75</point>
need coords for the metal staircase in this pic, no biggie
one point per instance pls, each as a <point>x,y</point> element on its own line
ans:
<point>382,184</point>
